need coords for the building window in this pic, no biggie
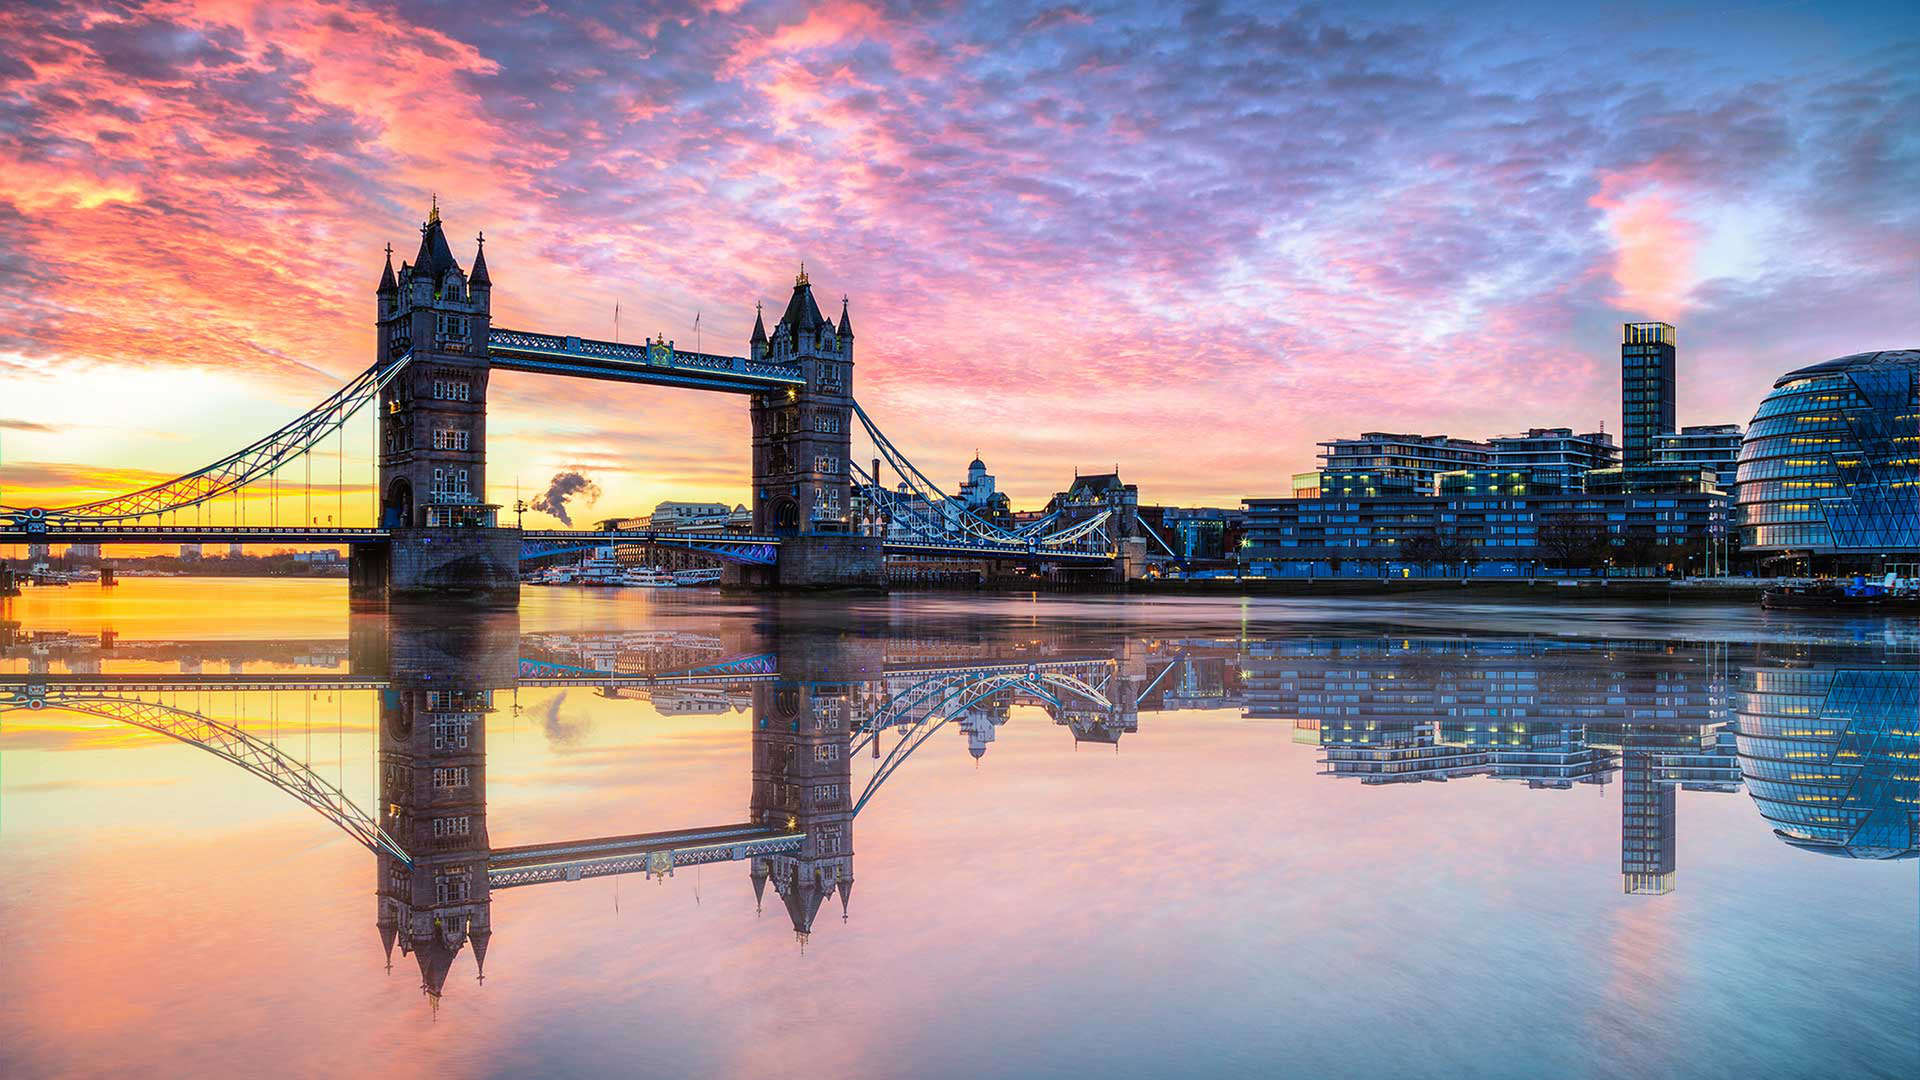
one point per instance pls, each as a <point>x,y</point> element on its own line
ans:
<point>449,439</point>
<point>827,752</point>
<point>453,733</point>
<point>454,777</point>
<point>452,390</point>
<point>452,826</point>
<point>827,423</point>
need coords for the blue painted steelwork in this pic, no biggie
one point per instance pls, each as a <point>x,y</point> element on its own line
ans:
<point>936,524</point>
<point>655,362</point>
<point>654,854</point>
<point>752,550</point>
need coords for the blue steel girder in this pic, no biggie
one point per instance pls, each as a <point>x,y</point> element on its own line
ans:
<point>253,462</point>
<point>231,744</point>
<point>654,362</point>
<point>750,550</point>
<point>958,699</point>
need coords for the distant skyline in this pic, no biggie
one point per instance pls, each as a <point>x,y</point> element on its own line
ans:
<point>1189,241</point>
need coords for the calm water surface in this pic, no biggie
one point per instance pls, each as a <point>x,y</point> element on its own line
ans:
<point>244,832</point>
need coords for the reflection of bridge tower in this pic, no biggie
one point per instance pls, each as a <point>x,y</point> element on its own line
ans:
<point>802,442</point>
<point>433,434</point>
<point>433,797</point>
<point>802,779</point>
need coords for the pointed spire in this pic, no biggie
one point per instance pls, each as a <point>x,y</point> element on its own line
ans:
<point>387,283</point>
<point>479,938</point>
<point>759,327</point>
<point>803,313</point>
<point>435,258</point>
<point>846,320</point>
<point>479,275</point>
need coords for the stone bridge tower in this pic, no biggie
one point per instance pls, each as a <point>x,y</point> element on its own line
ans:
<point>801,452</point>
<point>433,434</point>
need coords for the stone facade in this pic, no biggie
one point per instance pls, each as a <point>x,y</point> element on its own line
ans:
<point>802,442</point>
<point>473,565</point>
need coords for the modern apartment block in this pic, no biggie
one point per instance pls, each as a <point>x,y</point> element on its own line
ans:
<point>1647,393</point>
<point>1702,446</point>
<point>1382,462</point>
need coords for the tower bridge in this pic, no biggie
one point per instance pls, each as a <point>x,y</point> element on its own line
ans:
<point>820,519</point>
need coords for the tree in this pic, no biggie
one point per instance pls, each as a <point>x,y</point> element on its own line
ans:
<point>1575,541</point>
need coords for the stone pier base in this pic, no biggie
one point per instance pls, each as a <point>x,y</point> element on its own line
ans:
<point>477,566</point>
<point>817,562</point>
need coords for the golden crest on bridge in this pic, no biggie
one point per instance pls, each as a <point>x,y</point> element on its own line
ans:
<point>659,351</point>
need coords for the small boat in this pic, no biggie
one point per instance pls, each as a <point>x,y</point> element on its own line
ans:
<point>1858,595</point>
<point>648,577</point>
<point>691,578</point>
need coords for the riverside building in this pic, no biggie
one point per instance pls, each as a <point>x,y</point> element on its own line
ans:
<point>1555,456</point>
<point>1379,462</point>
<point>1829,470</point>
<point>1647,393</point>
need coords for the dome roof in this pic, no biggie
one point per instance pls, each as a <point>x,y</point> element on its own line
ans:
<point>1884,358</point>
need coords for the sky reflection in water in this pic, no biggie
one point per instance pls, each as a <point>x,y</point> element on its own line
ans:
<point>953,837</point>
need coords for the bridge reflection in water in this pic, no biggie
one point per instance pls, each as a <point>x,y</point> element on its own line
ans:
<point>1826,745</point>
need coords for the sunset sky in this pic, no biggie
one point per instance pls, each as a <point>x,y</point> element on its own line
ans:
<point>1189,241</point>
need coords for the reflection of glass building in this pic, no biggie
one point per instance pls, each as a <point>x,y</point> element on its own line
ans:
<point>1831,462</point>
<point>1832,757</point>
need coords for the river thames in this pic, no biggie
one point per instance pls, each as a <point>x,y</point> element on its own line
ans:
<point>670,833</point>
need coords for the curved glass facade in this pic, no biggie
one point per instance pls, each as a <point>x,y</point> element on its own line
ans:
<point>1831,757</point>
<point>1831,462</point>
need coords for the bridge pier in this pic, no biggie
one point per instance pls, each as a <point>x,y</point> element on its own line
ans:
<point>462,565</point>
<point>824,562</point>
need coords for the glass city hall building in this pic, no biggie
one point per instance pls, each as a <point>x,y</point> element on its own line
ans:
<point>1830,467</point>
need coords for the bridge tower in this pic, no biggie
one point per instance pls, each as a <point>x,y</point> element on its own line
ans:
<point>433,784</point>
<point>802,441</point>
<point>433,435</point>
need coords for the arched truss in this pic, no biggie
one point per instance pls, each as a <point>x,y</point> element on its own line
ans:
<point>229,743</point>
<point>926,706</point>
<point>236,470</point>
<point>934,519</point>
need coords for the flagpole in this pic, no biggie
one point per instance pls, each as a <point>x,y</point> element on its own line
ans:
<point>616,322</point>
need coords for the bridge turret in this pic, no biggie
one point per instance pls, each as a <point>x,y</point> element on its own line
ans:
<point>480,284</point>
<point>387,294</point>
<point>757,344</point>
<point>433,432</point>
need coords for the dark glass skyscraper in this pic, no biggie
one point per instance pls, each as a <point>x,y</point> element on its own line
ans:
<point>1646,388</point>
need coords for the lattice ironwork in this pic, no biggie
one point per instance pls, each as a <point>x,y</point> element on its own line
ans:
<point>255,461</point>
<point>925,517</point>
<point>229,743</point>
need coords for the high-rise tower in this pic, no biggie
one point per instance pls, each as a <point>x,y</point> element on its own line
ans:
<point>1646,388</point>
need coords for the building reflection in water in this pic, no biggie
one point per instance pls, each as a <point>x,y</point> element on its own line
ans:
<point>1827,748</point>
<point>1831,754</point>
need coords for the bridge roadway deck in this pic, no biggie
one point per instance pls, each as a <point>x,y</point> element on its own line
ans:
<point>54,532</point>
<point>658,852</point>
<point>655,364</point>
